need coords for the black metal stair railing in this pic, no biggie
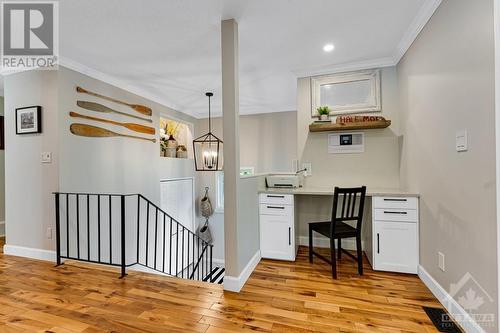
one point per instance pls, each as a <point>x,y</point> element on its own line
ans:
<point>126,230</point>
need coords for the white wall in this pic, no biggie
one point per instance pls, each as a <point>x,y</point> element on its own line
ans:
<point>378,166</point>
<point>2,179</point>
<point>446,82</point>
<point>29,184</point>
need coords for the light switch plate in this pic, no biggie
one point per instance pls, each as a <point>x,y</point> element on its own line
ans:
<point>461,141</point>
<point>46,157</point>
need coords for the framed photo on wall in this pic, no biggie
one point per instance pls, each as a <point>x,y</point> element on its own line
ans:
<point>29,120</point>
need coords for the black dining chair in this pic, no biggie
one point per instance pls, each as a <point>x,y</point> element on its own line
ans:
<point>348,206</point>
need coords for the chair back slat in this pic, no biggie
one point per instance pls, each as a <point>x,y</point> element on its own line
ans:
<point>349,211</point>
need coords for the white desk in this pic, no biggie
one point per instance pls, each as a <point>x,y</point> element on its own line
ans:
<point>390,227</point>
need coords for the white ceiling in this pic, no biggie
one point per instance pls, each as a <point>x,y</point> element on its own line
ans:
<point>169,50</point>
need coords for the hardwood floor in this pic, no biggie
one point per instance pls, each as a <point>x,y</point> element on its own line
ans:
<point>35,296</point>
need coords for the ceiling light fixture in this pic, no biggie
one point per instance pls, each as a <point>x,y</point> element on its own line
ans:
<point>328,47</point>
<point>208,148</point>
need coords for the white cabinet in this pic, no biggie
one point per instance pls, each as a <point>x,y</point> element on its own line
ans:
<point>395,234</point>
<point>277,227</point>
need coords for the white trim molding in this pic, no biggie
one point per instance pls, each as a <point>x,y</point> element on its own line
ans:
<point>235,284</point>
<point>29,252</point>
<point>423,16</point>
<point>468,324</point>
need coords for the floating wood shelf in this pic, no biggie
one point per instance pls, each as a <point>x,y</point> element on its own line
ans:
<point>330,127</point>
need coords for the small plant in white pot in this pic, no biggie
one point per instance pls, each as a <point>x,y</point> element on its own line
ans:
<point>324,113</point>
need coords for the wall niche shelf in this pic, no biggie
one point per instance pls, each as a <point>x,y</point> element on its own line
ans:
<point>331,127</point>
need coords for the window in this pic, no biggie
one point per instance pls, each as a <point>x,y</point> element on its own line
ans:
<point>219,186</point>
<point>345,93</point>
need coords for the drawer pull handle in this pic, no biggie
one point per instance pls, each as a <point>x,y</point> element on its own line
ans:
<point>275,207</point>
<point>378,243</point>
<point>398,200</point>
<point>289,236</point>
<point>399,213</point>
<point>276,196</point>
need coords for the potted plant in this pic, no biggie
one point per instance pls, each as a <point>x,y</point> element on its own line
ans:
<point>324,113</point>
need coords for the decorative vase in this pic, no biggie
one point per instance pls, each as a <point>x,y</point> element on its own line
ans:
<point>171,152</point>
<point>171,142</point>
<point>182,151</point>
<point>324,117</point>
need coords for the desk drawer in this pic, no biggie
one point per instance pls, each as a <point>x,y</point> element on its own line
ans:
<point>396,215</point>
<point>395,202</point>
<point>273,198</point>
<point>276,209</point>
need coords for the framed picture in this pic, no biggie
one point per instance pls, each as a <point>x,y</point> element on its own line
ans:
<point>347,93</point>
<point>29,120</point>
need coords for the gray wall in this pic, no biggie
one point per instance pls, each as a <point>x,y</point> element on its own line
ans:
<point>29,184</point>
<point>378,166</point>
<point>268,142</point>
<point>2,178</point>
<point>110,165</point>
<point>447,84</point>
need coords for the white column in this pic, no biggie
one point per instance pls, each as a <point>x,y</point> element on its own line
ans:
<point>230,119</point>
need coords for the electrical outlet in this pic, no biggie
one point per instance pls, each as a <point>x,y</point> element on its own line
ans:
<point>441,261</point>
<point>48,233</point>
<point>46,157</point>
<point>308,168</point>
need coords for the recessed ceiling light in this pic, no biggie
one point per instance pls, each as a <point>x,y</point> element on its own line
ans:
<point>328,47</point>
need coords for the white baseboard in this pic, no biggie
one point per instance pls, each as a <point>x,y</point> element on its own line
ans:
<point>28,252</point>
<point>323,242</point>
<point>235,284</point>
<point>468,324</point>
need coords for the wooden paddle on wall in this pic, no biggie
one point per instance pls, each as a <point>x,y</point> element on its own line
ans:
<point>130,126</point>
<point>137,107</point>
<point>99,132</point>
<point>104,109</point>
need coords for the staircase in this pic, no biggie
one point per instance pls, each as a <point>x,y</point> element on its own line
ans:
<point>129,230</point>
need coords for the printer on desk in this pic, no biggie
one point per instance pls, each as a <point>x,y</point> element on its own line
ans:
<point>294,180</point>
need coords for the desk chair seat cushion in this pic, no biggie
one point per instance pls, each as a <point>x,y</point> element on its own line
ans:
<point>341,229</point>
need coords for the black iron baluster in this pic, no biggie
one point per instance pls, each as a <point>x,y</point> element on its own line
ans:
<point>170,252</point>
<point>164,240</point>
<point>78,226</point>
<point>123,235</point>
<point>177,249</point>
<point>99,228</point>
<point>110,232</point>
<point>194,260</point>
<point>198,258</point>
<point>182,258</point>
<point>147,233</point>
<point>188,264</point>
<point>67,225</point>
<point>88,227</point>
<point>58,231</point>
<point>156,234</point>
<point>138,227</point>
<point>211,267</point>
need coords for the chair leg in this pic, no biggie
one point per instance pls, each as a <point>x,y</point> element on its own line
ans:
<point>360,255</point>
<point>339,247</point>
<point>333,258</point>
<point>310,245</point>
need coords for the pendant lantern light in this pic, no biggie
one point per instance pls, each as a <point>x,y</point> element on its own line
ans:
<point>208,148</point>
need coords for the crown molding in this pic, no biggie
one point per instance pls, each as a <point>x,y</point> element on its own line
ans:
<point>423,16</point>
<point>345,67</point>
<point>109,79</point>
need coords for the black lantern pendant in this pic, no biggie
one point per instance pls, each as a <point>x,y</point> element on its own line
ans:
<point>208,148</point>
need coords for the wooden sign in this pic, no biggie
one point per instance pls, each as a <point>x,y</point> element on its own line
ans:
<point>358,119</point>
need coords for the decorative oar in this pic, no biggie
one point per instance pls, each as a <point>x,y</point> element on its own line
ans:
<point>104,109</point>
<point>99,132</point>
<point>130,126</point>
<point>137,107</point>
